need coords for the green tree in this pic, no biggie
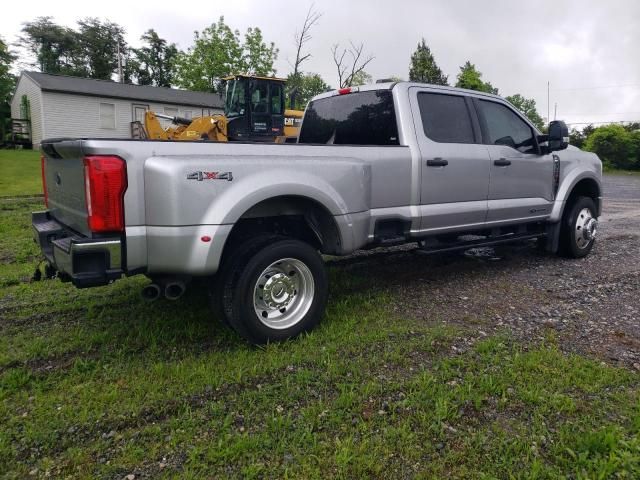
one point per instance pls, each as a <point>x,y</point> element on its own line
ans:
<point>7,80</point>
<point>615,146</point>
<point>258,56</point>
<point>423,67</point>
<point>304,86</point>
<point>99,44</point>
<point>528,107</point>
<point>578,138</point>
<point>361,78</point>
<point>7,84</point>
<point>634,137</point>
<point>153,63</point>
<point>470,78</point>
<point>56,49</point>
<point>218,51</point>
<point>632,127</point>
<point>89,51</point>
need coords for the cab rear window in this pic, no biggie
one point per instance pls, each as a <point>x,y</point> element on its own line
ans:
<point>363,118</point>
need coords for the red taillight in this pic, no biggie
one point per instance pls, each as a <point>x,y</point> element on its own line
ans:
<point>105,181</point>
<point>44,181</point>
<point>344,91</point>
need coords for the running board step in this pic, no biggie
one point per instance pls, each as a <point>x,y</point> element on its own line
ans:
<point>485,242</point>
<point>391,240</point>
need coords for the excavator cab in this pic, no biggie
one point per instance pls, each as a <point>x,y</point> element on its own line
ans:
<point>254,108</point>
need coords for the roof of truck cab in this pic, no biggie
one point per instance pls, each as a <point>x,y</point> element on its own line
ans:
<point>242,75</point>
<point>407,85</point>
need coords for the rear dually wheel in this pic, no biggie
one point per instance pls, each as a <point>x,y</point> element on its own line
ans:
<point>277,292</point>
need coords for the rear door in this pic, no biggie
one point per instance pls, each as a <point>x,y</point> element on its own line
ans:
<point>454,164</point>
<point>276,105</point>
<point>521,185</point>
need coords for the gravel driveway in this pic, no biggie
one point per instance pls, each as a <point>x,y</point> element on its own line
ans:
<point>588,306</point>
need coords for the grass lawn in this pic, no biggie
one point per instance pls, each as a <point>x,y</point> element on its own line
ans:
<point>98,384</point>
<point>20,173</point>
<point>616,171</point>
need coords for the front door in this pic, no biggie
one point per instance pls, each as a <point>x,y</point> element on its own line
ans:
<point>259,105</point>
<point>454,164</point>
<point>521,184</point>
<point>138,112</point>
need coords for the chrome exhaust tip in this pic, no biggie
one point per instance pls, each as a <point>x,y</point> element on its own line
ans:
<point>174,290</point>
<point>150,292</point>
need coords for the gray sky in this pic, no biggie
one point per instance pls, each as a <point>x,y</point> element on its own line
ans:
<point>589,50</point>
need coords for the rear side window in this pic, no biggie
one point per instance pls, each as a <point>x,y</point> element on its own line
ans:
<point>504,127</point>
<point>276,99</point>
<point>445,118</point>
<point>365,118</point>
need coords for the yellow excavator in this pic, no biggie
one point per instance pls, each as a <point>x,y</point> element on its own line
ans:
<point>254,110</point>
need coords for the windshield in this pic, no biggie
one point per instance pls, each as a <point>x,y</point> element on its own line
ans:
<point>234,104</point>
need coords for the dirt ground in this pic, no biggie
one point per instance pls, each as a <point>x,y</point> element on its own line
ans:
<point>587,306</point>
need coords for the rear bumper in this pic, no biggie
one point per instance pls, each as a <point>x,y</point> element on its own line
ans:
<point>86,262</point>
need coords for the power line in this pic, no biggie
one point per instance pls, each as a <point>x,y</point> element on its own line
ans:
<point>599,114</point>
<point>599,86</point>
<point>594,87</point>
<point>612,121</point>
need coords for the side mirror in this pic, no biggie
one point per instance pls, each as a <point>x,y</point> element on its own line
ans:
<point>558,137</point>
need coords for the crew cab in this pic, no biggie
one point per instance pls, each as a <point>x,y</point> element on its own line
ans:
<point>376,165</point>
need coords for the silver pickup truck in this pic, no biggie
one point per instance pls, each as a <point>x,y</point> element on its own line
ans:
<point>377,165</point>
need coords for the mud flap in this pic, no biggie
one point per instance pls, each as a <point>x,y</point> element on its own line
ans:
<point>553,237</point>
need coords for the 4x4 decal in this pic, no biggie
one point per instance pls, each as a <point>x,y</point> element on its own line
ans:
<point>200,176</point>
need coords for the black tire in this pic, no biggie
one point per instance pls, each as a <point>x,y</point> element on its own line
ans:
<point>572,243</point>
<point>216,287</point>
<point>245,283</point>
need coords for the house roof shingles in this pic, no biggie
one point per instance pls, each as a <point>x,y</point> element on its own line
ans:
<point>108,88</point>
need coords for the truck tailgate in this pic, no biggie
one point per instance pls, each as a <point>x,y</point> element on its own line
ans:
<point>64,178</point>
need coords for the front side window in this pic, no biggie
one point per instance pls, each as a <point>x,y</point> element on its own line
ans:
<point>364,118</point>
<point>445,118</point>
<point>504,127</point>
<point>235,99</point>
<point>108,116</point>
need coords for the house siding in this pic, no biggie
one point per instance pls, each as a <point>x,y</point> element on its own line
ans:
<point>28,87</point>
<point>69,115</point>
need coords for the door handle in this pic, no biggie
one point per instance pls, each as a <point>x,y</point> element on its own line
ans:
<point>437,162</point>
<point>502,162</point>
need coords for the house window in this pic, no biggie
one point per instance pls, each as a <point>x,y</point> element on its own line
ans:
<point>171,111</point>
<point>188,114</point>
<point>108,116</point>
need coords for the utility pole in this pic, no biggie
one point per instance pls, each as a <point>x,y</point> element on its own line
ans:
<point>548,111</point>
<point>555,111</point>
<point>120,79</point>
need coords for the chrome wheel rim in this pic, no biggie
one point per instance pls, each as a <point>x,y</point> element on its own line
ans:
<point>586,228</point>
<point>283,293</point>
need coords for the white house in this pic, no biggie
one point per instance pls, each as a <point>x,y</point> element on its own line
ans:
<point>62,106</point>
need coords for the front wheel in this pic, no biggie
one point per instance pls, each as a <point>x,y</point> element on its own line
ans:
<point>579,228</point>
<point>277,293</point>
